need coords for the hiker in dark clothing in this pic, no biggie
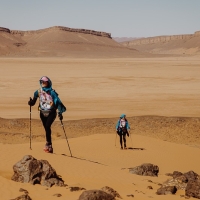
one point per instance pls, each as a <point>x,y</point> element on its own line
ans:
<point>123,129</point>
<point>49,103</point>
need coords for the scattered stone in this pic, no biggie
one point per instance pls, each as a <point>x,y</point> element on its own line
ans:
<point>130,195</point>
<point>31,170</point>
<point>72,189</point>
<point>193,189</point>
<point>180,180</point>
<point>150,187</point>
<point>95,195</point>
<point>111,191</point>
<point>23,197</point>
<point>166,190</point>
<point>58,195</point>
<point>150,181</point>
<point>23,190</point>
<point>146,169</point>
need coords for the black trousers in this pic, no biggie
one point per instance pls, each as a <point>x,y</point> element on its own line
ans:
<point>47,122</point>
<point>122,136</point>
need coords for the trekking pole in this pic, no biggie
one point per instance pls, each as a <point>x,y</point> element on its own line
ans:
<point>115,139</point>
<point>66,136</point>
<point>131,139</point>
<point>30,126</point>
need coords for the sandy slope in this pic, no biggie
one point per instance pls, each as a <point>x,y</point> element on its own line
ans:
<point>97,163</point>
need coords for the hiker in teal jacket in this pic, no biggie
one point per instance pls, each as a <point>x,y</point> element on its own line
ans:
<point>123,129</point>
<point>49,102</point>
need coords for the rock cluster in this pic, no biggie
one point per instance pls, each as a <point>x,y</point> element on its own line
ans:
<point>189,181</point>
<point>31,170</point>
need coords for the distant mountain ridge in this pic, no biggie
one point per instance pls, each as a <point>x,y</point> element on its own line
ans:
<point>171,44</point>
<point>85,31</point>
<point>61,41</point>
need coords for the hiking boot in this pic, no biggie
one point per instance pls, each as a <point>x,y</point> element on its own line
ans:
<point>48,149</point>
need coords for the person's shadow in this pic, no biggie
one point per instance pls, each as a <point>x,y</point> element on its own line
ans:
<point>131,148</point>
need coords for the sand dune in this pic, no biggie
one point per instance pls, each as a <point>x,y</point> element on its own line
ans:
<point>97,163</point>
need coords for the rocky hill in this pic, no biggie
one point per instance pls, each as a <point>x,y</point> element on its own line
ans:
<point>172,44</point>
<point>61,41</point>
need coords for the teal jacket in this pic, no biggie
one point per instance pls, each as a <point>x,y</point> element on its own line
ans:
<point>56,100</point>
<point>118,122</point>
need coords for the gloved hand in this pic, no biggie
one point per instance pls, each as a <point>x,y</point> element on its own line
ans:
<point>60,116</point>
<point>128,134</point>
<point>31,102</point>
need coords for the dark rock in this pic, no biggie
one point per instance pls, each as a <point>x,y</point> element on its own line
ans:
<point>31,170</point>
<point>193,189</point>
<point>72,189</point>
<point>191,176</point>
<point>166,190</point>
<point>150,187</point>
<point>23,197</point>
<point>111,191</point>
<point>176,174</point>
<point>130,195</point>
<point>23,190</point>
<point>58,195</point>
<point>146,169</point>
<point>95,195</point>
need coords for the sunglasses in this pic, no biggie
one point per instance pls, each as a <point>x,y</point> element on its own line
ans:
<point>43,81</point>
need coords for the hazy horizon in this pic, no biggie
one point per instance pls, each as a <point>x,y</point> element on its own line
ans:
<point>129,18</point>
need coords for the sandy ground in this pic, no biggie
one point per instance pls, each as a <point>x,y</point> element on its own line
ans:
<point>98,91</point>
<point>97,163</point>
<point>97,88</point>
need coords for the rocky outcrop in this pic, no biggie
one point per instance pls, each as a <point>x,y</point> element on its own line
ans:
<point>4,30</point>
<point>158,39</point>
<point>31,170</point>
<point>189,181</point>
<point>180,180</point>
<point>146,169</point>
<point>95,195</point>
<point>62,28</point>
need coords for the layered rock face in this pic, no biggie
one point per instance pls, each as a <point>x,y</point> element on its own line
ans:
<point>4,30</point>
<point>172,44</point>
<point>153,40</point>
<point>158,39</point>
<point>85,31</point>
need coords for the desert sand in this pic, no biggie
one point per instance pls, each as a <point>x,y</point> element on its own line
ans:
<point>98,79</point>
<point>96,92</point>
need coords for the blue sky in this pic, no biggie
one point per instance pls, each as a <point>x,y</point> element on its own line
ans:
<point>121,18</point>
